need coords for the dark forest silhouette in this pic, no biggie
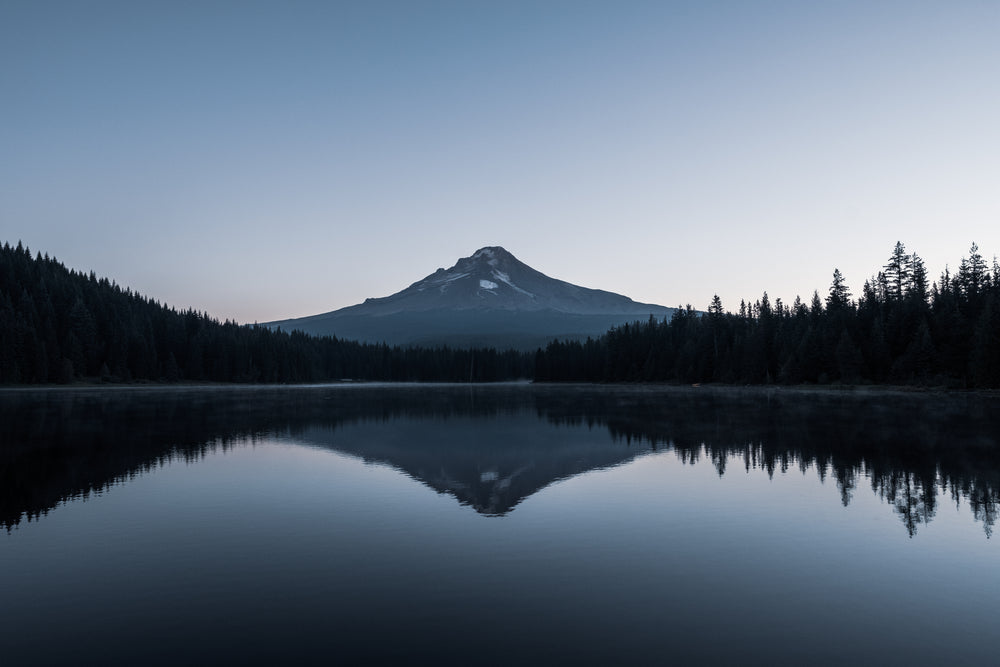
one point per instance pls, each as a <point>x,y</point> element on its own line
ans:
<point>902,329</point>
<point>61,326</point>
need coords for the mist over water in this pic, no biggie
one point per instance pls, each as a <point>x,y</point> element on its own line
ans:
<point>494,523</point>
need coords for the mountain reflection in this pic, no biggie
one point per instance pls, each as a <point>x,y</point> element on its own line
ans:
<point>912,450</point>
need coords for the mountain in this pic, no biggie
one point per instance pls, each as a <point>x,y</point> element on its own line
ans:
<point>491,465</point>
<point>488,299</point>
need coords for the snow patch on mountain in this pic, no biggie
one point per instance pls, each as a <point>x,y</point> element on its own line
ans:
<point>488,253</point>
<point>488,284</point>
<point>505,279</point>
<point>451,278</point>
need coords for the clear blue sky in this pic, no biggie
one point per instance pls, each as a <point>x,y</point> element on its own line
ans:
<point>264,160</point>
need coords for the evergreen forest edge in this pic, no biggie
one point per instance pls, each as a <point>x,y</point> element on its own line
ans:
<point>58,325</point>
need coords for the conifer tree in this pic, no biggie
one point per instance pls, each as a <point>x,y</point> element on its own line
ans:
<point>897,272</point>
<point>840,295</point>
<point>916,288</point>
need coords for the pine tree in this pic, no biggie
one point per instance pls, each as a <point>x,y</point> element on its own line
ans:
<point>917,286</point>
<point>715,308</point>
<point>840,295</point>
<point>973,275</point>
<point>815,308</point>
<point>897,272</point>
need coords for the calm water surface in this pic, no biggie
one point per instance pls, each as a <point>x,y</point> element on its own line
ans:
<point>503,524</point>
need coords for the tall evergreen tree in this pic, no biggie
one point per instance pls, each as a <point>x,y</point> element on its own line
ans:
<point>715,308</point>
<point>916,289</point>
<point>897,272</point>
<point>973,276</point>
<point>840,295</point>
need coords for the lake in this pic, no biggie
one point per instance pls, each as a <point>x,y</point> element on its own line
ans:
<point>506,524</point>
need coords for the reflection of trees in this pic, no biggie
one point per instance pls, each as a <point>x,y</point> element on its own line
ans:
<point>847,481</point>
<point>912,496</point>
<point>982,499</point>
<point>908,447</point>
<point>61,445</point>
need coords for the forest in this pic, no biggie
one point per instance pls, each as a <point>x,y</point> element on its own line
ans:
<point>61,326</point>
<point>901,329</point>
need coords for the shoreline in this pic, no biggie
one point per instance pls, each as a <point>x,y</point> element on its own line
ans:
<point>853,389</point>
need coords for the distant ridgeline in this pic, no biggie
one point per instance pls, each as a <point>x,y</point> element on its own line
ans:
<point>57,325</point>
<point>61,326</point>
<point>902,329</point>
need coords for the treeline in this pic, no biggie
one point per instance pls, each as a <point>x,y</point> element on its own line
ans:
<point>901,329</point>
<point>61,326</point>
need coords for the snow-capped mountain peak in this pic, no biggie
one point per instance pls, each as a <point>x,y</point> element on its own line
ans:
<point>479,276</point>
<point>486,297</point>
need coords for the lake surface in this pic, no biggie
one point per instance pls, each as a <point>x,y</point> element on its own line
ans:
<point>510,524</point>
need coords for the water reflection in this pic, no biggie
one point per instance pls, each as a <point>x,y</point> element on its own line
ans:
<point>912,450</point>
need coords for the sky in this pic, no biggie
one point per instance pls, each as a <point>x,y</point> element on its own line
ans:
<point>269,160</point>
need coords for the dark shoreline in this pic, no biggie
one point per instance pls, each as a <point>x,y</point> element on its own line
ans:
<point>854,389</point>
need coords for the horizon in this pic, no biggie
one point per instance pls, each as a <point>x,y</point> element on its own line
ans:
<point>267,162</point>
<point>933,279</point>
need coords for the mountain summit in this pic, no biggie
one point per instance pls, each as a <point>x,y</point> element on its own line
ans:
<point>493,279</point>
<point>488,299</point>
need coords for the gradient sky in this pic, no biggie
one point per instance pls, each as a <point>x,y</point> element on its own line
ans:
<point>265,160</point>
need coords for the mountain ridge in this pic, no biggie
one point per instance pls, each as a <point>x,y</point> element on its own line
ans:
<point>489,298</point>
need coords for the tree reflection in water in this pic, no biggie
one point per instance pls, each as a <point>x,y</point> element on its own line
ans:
<point>909,448</point>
